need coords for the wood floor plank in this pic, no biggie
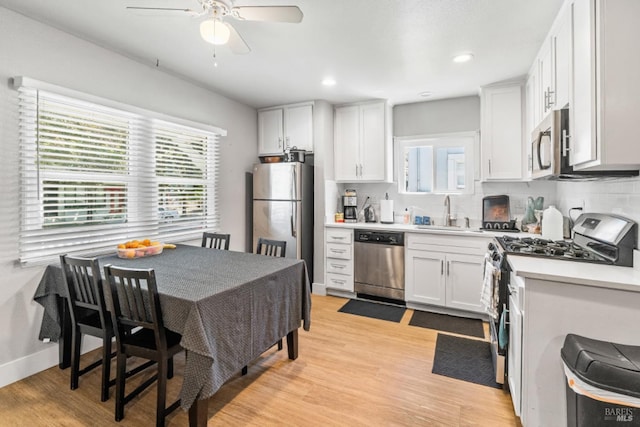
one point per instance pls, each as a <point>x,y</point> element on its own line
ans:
<point>352,370</point>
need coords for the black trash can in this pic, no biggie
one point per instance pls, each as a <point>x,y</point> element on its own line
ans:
<point>603,382</point>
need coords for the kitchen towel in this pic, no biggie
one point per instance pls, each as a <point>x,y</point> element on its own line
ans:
<point>489,295</point>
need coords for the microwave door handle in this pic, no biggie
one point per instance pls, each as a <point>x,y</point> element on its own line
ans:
<point>539,144</point>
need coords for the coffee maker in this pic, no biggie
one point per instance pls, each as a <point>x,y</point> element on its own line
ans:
<point>350,206</point>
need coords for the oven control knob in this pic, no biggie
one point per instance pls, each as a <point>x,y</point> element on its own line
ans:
<point>491,247</point>
<point>496,256</point>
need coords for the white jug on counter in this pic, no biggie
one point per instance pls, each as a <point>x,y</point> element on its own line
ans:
<point>552,223</point>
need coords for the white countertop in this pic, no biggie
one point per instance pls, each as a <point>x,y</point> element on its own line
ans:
<point>452,231</point>
<point>574,272</point>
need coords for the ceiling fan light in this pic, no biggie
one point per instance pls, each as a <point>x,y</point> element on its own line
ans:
<point>214,31</point>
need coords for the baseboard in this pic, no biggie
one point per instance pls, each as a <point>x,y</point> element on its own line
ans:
<point>36,362</point>
<point>342,294</point>
<point>319,289</point>
<point>447,310</point>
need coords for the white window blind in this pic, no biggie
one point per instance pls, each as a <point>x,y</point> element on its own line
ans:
<point>93,176</point>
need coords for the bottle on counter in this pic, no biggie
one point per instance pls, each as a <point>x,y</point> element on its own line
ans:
<point>552,224</point>
<point>406,218</point>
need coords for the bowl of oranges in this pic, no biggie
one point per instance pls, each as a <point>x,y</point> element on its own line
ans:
<point>139,248</point>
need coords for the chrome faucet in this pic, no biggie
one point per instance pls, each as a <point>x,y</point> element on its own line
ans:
<point>447,211</point>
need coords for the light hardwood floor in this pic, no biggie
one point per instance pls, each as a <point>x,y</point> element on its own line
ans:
<point>351,370</point>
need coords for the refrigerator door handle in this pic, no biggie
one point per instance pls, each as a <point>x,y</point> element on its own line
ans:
<point>294,216</point>
<point>294,196</point>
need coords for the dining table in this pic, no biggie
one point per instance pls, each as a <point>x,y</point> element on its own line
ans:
<point>228,306</point>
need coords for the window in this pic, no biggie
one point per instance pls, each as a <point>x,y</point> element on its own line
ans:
<point>436,164</point>
<point>95,175</point>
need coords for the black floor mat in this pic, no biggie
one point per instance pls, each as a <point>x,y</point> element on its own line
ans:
<point>447,323</point>
<point>464,359</point>
<point>374,310</point>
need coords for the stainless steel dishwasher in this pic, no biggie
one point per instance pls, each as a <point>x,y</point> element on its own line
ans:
<point>379,263</point>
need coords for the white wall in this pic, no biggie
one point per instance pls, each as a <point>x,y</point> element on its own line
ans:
<point>28,48</point>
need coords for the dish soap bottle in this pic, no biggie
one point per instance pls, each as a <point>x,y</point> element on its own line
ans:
<point>552,222</point>
<point>406,219</point>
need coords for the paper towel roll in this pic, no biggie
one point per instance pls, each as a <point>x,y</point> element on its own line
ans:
<point>386,211</point>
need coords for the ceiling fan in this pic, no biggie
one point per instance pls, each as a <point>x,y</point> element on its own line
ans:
<point>217,29</point>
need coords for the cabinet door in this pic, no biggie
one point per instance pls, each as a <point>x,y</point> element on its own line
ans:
<point>346,143</point>
<point>372,148</point>
<point>270,132</point>
<point>514,357</point>
<point>532,115</point>
<point>562,60</point>
<point>582,120</point>
<point>424,277</point>
<point>501,132</point>
<point>298,124</point>
<point>546,78</point>
<point>464,282</point>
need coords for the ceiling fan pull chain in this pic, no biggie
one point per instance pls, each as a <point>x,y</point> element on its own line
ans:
<point>215,61</point>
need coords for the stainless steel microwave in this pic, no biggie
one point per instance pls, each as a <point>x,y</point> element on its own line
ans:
<point>549,146</point>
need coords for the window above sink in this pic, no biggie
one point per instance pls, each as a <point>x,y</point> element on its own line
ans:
<point>436,164</point>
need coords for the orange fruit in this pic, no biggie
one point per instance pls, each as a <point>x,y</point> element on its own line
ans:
<point>122,246</point>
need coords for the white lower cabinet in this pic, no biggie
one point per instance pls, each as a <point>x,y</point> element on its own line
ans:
<point>339,259</point>
<point>444,271</point>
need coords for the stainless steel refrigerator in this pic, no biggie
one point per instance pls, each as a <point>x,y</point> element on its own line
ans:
<point>283,207</point>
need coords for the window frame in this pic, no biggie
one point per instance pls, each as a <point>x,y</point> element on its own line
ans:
<point>40,242</point>
<point>468,140</point>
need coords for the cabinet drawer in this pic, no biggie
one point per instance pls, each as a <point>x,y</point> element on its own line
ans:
<point>451,244</point>
<point>339,236</point>
<point>339,266</point>
<point>335,250</point>
<point>339,281</point>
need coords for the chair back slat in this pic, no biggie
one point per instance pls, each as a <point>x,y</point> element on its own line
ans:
<point>276,248</point>
<point>81,277</point>
<point>134,300</point>
<point>216,240</point>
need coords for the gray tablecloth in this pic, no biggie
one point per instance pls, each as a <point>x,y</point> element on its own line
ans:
<point>229,307</point>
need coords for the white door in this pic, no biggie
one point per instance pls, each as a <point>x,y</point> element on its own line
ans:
<point>372,148</point>
<point>546,79</point>
<point>464,282</point>
<point>562,60</point>
<point>346,143</point>
<point>298,124</point>
<point>270,132</point>
<point>424,277</point>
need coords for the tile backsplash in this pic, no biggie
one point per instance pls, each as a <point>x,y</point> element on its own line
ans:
<point>617,196</point>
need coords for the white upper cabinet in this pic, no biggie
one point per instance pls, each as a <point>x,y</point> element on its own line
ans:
<point>561,45</point>
<point>285,127</point>
<point>605,97</point>
<point>362,145</point>
<point>501,132</point>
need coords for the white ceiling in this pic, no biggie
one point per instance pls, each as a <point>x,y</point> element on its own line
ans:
<point>391,49</point>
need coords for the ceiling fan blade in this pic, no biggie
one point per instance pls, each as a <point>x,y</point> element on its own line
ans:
<point>161,11</point>
<point>268,13</point>
<point>236,42</point>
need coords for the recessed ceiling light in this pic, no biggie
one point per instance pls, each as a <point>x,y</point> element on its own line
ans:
<point>328,81</point>
<point>425,94</point>
<point>463,57</point>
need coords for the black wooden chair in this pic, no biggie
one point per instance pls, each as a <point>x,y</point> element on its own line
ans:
<point>134,302</point>
<point>89,316</point>
<point>216,240</point>
<point>277,248</point>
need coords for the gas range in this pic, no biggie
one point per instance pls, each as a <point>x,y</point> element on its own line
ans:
<point>559,249</point>
<point>597,238</point>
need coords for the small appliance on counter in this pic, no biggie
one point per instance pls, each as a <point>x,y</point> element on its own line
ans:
<point>386,210</point>
<point>496,214</point>
<point>350,206</point>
